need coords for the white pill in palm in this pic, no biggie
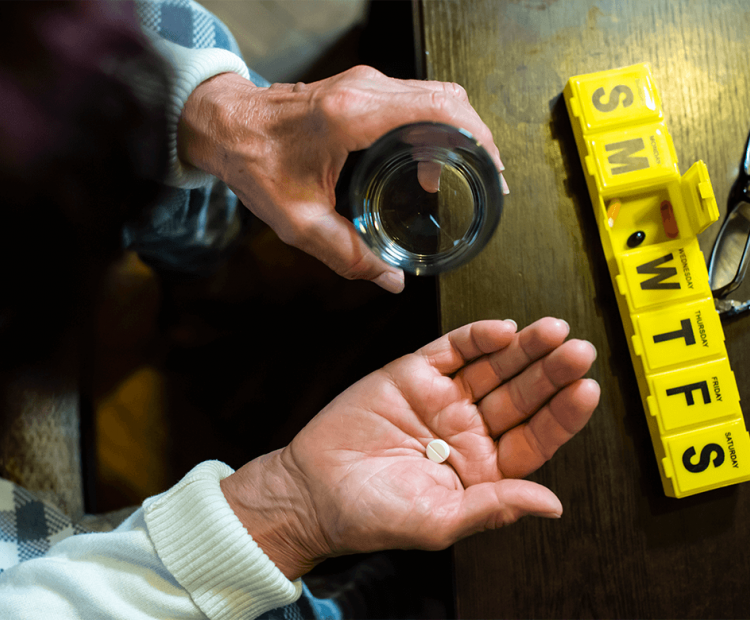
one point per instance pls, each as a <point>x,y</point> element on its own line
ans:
<point>438,450</point>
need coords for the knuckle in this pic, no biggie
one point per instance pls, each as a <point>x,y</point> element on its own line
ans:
<point>543,452</point>
<point>443,105</point>
<point>295,230</point>
<point>348,93</point>
<point>438,543</point>
<point>465,387</point>
<point>457,91</point>
<point>365,72</point>
<point>438,101</point>
<point>335,101</point>
<point>437,539</point>
<point>355,270</point>
<point>519,399</point>
<point>288,236</point>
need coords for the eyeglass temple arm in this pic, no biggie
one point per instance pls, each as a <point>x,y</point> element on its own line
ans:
<point>729,307</point>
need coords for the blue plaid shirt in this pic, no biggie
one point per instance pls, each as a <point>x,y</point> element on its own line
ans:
<point>190,230</point>
<point>29,527</point>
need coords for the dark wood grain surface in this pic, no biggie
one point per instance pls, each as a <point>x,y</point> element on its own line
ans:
<point>622,549</point>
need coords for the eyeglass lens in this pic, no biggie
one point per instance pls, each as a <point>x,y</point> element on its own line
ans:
<point>730,248</point>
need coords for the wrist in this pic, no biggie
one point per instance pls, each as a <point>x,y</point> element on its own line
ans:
<point>231,128</point>
<point>276,510</point>
<point>205,123</point>
<point>190,68</point>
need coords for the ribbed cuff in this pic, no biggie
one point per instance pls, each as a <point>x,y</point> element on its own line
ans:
<point>190,67</point>
<point>205,546</point>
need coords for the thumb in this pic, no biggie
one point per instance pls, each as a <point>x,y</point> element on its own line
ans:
<point>491,505</point>
<point>333,240</point>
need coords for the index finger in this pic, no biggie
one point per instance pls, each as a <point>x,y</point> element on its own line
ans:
<point>440,106</point>
<point>531,343</point>
<point>388,110</point>
<point>455,349</point>
<point>478,129</point>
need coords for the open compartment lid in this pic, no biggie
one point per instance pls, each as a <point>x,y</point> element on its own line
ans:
<point>698,193</point>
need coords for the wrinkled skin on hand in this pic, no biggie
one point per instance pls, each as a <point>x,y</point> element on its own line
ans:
<point>281,150</point>
<point>356,478</point>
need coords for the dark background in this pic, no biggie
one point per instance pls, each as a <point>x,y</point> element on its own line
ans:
<point>244,357</point>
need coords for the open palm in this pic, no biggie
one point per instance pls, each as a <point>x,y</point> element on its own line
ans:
<point>503,401</point>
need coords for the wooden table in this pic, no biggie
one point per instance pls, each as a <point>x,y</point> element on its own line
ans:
<point>622,549</point>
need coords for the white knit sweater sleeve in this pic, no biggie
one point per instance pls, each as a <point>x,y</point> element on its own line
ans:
<point>183,555</point>
<point>190,67</point>
<point>205,546</point>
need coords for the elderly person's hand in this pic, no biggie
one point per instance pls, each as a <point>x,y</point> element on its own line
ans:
<point>281,150</point>
<point>356,478</point>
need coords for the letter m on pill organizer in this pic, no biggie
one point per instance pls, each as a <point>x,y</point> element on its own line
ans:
<point>648,217</point>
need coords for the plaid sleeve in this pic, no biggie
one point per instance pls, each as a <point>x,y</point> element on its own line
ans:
<point>186,23</point>
<point>190,25</point>
<point>197,45</point>
<point>192,225</point>
<point>28,526</point>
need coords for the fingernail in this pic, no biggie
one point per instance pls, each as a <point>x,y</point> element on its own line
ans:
<point>567,325</point>
<point>596,353</point>
<point>515,325</point>
<point>391,281</point>
<point>504,184</point>
<point>547,515</point>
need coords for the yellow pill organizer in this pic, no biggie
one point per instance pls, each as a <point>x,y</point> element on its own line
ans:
<point>649,217</point>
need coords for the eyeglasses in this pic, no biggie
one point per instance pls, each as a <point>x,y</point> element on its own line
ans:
<point>729,256</point>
